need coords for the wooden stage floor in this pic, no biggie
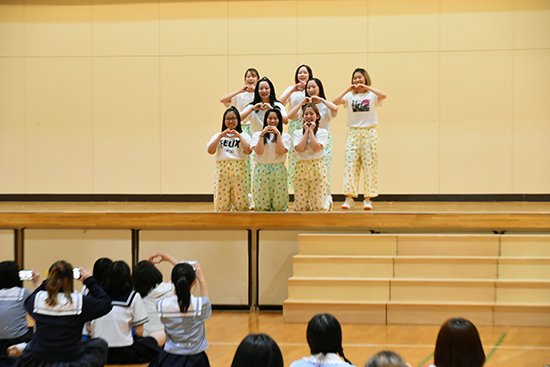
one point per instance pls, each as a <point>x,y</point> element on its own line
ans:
<point>436,216</point>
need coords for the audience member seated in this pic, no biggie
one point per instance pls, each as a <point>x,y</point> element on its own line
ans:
<point>128,312</point>
<point>14,332</point>
<point>458,345</point>
<point>59,314</point>
<point>258,350</point>
<point>148,283</point>
<point>386,358</point>
<point>324,337</point>
<point>183,316</point>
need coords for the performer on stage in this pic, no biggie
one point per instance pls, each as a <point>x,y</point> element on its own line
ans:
<point>360,98</point>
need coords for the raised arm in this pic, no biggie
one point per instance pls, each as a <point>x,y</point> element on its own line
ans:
<point>331,106</point>
<point>286,94</point>
<point>226,100</point>
<point>381,95</point>
<point>213,146</point>
<point>202,280</point>
<point>339,99</point>
<point>159,257</point>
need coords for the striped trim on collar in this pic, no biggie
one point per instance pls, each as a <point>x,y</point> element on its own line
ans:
<point>12,294</point>
<point>64,306</point>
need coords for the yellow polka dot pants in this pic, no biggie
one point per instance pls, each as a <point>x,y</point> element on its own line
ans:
<point>270,187</point>
<point>310,185</point>
<point>230,189</point>
<point>361,155</point>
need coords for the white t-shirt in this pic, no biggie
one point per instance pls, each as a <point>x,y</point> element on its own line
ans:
<point>295,97</point>
<point>326,116</point>
<point>240,101</point>
<point>116,327</point>
<point>361,109</point>
<point>257,117</point>
<point>162,290</point>
<point>269,155</point>
<point>230,147</point>
<point>309,154</point>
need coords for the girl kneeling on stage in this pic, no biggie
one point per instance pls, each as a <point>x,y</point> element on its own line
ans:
<point>310,185</point>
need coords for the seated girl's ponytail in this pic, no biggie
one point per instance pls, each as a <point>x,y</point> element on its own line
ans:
<point>183,276</point>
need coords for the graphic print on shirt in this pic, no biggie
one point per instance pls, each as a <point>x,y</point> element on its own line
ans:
<point>360,105</point>
<point>229,145</point>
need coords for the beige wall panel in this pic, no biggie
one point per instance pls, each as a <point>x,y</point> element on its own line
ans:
<point>275,253</point>
<point>126,125</point>
<point>409,121</point>
<point>193,27</point>
<point>59,130</point>
<point>79,247</point>
<point>126,27</point>
<point>222,254</point>
<point>402,25</point>
<point>262,27</point>
<point>59,28</point>
<point>531,146</point>
<point>476,122</point>
<point>190,115</point>
<point>6,245</point>
<point>532,24</point>
<point>477,25</point>
<point>12,28</point>
<point>332,26</point>
<point>525,246</point>
<point>12,125</point>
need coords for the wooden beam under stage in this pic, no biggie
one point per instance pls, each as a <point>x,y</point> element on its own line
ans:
<point>403,216</point>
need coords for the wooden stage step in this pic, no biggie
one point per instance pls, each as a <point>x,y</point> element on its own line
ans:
<point>421,278</point>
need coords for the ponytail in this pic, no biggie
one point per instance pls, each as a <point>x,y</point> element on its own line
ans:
<point>183,291</point>
<point>183,276</point>
<point>340,352</point>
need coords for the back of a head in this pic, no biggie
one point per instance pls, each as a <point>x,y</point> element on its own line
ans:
<point>146,277</point>
<point>118,279</point>
<point>9,275</point>
<point>60,280</point>
<point>324,335</point>
<point>258,350</point>
<point>458,345</point>
<point>101,266</point>
<point>386,358</point>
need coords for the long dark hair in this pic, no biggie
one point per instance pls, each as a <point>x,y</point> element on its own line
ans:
<point>272,95</point>
<point>310,72</point>
<point>458,345</point>
<point>101,266</point>
<point>9,275</point>
<point>324,335</point>
<point>118,280</point>
<point>277,111</point>
<point>183,276</point>
<point>258,350</point>
<point>311,105</point>
<point>60,280</point>
<point>146,277</point>
<point>319,84</point>
<point>236,112</point>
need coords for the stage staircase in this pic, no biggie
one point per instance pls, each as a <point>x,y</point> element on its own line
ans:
<point>421,279</point>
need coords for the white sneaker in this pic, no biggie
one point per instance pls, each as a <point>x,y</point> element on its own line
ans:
<point>367,205</point>
<point>348,203</point>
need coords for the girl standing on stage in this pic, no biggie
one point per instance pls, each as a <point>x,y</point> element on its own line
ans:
<point>231,147</point>
<point>264,99</point>
<point>315,93</point>
<point>270,179</point>
<point>295,95</point>
<point>240,99</point>
<point>361,99</point>
<point>183,316</point>
<point>310,185</point>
